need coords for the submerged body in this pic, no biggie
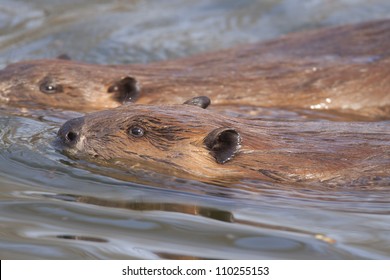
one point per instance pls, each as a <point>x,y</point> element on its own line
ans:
<point>345,69</point>
<point>190,142</point>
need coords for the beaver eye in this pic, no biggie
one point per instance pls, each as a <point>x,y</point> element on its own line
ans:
<point>136,131</point>
<point>49,87</point>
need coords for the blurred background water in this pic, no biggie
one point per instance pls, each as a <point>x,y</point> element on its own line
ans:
<point>56,208</point>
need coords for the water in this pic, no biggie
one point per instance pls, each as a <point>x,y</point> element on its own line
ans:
<point>54,207</point>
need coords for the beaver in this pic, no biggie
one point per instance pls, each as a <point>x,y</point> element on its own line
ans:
<point>188,141</point>
<point>343,68</point>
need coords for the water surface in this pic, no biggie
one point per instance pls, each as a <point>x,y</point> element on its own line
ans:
<point>53,207</point>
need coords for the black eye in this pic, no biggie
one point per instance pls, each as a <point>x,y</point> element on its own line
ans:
<point>136,131</point>
<point>49,87</point>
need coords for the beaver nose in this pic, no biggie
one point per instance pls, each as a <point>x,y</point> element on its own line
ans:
<point>69,133</point>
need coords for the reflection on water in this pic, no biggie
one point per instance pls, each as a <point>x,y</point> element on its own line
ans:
<point>57,208</point>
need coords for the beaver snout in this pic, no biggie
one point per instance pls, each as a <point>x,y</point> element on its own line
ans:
<point>69,133</point>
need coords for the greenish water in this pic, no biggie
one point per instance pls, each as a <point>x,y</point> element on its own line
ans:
<point>53,207</point>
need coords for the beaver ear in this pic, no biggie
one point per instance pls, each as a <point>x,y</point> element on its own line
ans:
<point>64,56</point>
<point>223,143</point>
<point>125,89</point>
<point>200,101</point>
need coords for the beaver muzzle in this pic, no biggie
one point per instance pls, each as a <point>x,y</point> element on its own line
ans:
<point>69,134</point>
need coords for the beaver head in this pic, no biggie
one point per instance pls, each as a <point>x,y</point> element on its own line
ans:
<point>190,142</point>
<point>65,84</point>
<point>174,138</point>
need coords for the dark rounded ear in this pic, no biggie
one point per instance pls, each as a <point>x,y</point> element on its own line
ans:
<point>125,90</point>
<point>223,143</point>
<point>64,56</point>
<point>200,101</point>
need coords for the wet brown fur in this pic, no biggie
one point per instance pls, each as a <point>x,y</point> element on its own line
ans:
<point>343,68</point>
<point>174,143</point>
